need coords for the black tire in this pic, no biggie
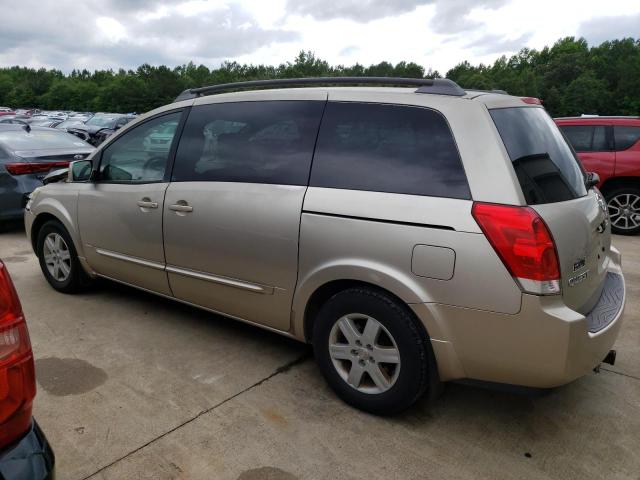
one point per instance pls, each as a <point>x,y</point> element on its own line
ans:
<point>77,279</point>
<point>615,199</point>
<point>417,369</point>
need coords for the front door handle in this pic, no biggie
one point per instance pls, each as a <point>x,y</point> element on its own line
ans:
<point>147,203</point>
<point>181,207</point>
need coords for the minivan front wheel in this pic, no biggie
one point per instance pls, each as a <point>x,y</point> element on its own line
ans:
<point>624,210</point>
<point>58,259</point>
<point>371,351</point>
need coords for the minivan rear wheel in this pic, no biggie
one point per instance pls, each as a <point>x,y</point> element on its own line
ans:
<point>624,210</point>
<point>371,351</point>
<point>58,259</point>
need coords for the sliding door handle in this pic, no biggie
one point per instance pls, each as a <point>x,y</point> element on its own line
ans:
<point>146,203</point>
<point>178,207</point>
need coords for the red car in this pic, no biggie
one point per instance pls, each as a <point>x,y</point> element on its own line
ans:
<point>610,147</point>
<point>6,111</point>
<point>25,453</point>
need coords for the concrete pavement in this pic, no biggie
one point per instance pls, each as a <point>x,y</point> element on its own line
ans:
<point>132,386</point>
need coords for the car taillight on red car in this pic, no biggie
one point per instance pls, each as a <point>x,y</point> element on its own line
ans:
<point>23,168</point>
<point>524,244</point>
<point>17,375</point>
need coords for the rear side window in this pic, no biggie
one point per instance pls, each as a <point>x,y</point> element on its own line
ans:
<point>586,138</point>
<point>252,142</point>
<point>625,137</point>
<point>388,148</point>
<point>546,168</point>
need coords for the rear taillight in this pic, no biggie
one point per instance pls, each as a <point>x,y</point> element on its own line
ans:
<point>17,376</point>
<point>23,168</point>
<point>523,242</point>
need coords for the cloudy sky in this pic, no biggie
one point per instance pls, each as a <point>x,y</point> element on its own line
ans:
<point>434,33</point>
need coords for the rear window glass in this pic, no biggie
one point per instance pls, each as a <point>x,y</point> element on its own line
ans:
<point>625,137</point>
<point>21,140</point>
<point>388,148</point>
<point>586,138</point>
<point>545,165</point>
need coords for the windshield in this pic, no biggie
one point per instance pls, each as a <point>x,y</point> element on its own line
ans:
<point>545,165</point>
<point>100,121</point>
<point>20,140</point>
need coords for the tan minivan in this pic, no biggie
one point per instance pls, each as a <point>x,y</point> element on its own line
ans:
<point>414,234</point>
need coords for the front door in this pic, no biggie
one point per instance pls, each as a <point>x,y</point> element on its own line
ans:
<point>120,214</point>
<point>232,210</point>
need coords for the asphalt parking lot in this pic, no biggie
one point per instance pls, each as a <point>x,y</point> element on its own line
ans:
<point>132,386</point>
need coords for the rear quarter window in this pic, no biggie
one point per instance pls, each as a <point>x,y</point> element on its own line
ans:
<point>545,165</point>
<point>388,148</point>
<point>625,136</point>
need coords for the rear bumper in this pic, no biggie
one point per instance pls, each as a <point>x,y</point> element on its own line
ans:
<point>14,194</point>
<point>545,345</point>
<point>30,459</point>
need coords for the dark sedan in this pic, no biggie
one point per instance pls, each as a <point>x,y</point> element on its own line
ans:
<point>99,127</point>
<point>27,154</point>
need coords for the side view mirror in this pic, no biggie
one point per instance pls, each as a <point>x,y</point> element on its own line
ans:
<point>592,180</point>
<point>80,171</point>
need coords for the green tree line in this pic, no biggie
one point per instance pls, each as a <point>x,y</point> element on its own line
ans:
<point>570,77</point>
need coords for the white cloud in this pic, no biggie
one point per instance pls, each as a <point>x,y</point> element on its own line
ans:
<point>110,29</point>
<point>434,33</point>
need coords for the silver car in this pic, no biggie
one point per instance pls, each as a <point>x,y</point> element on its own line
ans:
<point>413,235</point>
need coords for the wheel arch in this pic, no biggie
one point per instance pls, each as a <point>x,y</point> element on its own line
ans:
<point>614,183</point>
<point>37,224</point>
<point>315,290</point>
<point>52,209</point>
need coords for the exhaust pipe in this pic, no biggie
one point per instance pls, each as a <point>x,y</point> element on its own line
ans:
<point>610,358</point>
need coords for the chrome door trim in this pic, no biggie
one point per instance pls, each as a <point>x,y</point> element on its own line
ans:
<point>128,258</point>
<point>285,333</point>
<point>252,287</point>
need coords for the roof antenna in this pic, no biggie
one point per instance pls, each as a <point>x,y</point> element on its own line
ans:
<point>27,127</point>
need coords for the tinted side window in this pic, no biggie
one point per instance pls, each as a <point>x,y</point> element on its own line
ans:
<point>140,155</point>
<point>625,137</point>
<point>586,138</point>
<point>388,148</point>
<point>253,142</point>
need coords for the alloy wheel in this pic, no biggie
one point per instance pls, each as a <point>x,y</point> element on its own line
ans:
<point>57,256</point>
<point>364,353</point>
<point>624,211</point>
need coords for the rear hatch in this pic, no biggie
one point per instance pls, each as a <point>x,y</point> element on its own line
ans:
<point>553,184</point>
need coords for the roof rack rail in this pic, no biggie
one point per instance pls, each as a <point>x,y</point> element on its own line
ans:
<point>438,86</point>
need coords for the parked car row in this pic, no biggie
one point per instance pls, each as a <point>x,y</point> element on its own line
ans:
<point>90,127</point>
<point>413,236</point>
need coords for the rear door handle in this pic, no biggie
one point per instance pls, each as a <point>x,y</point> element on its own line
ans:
<point>145,203</point>
<point>181,208</point>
